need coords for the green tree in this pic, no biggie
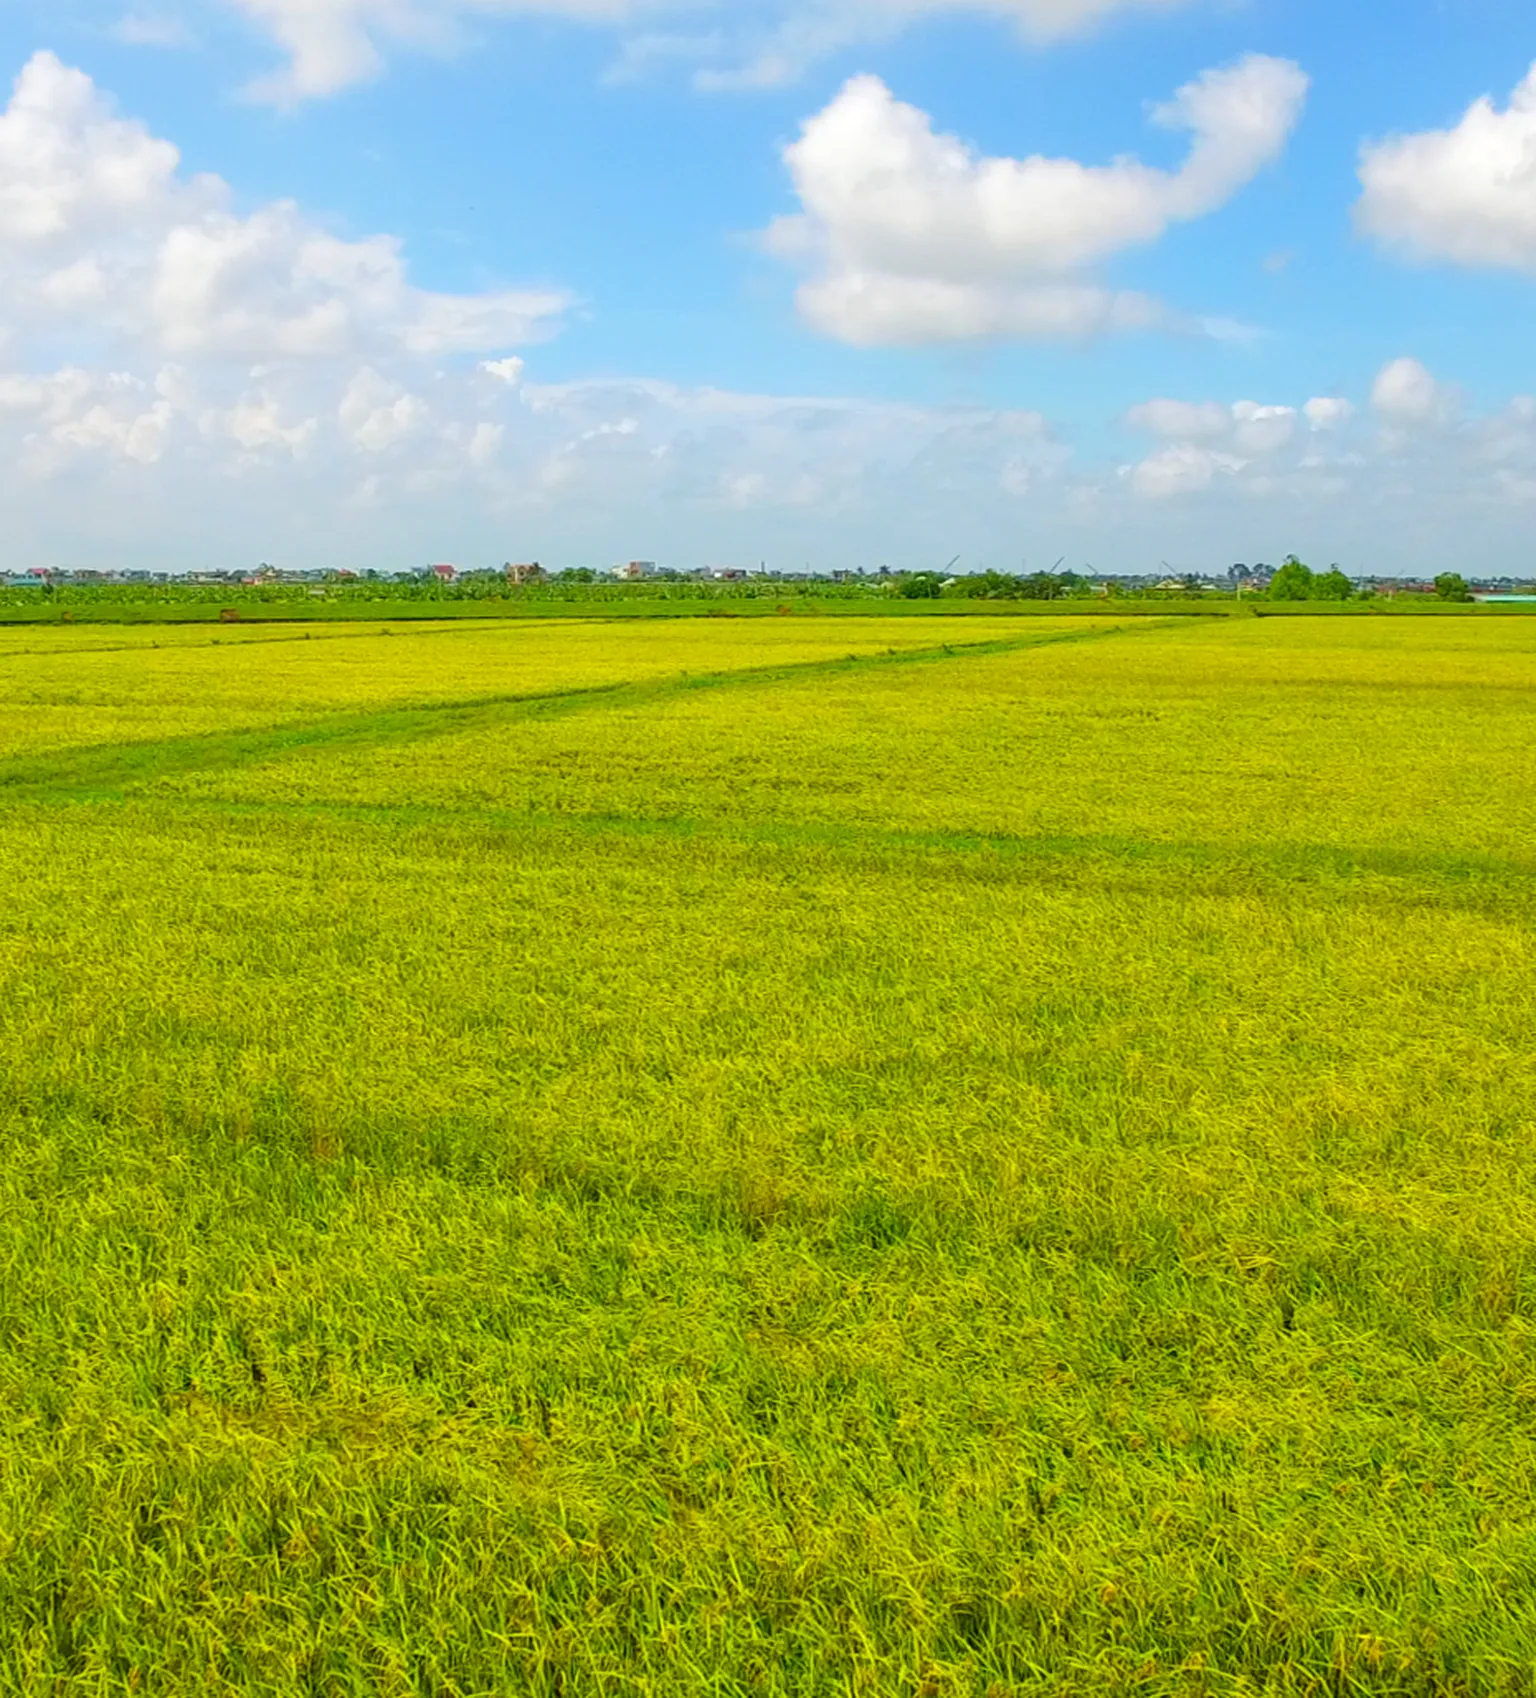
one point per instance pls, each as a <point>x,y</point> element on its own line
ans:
<point>1293,582</point>
<point>989,586</point>
<point>920,586</point>
<point>1332,585</point>
<point>1451,586</point>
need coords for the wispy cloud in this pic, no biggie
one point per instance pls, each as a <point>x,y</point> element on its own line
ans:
<point>731,44</point>
<point>153,29</point>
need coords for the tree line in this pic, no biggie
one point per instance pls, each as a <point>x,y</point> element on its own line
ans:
<point>1296,581</point>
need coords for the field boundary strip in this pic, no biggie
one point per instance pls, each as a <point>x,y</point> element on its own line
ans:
<point>102,771</point>
<point>1334,874</point>
<point>1498,884</point>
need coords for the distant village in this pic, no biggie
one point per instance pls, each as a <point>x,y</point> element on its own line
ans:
<point>327,581</point>
<point>38,577</point>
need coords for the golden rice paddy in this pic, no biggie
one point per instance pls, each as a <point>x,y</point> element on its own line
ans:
<point>788,1157</point>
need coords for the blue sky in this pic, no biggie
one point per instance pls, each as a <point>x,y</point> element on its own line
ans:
<point>787,279</point>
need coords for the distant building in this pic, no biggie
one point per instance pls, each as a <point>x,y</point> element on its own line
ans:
<point>635,569</point>
<point>527,574</point>
<point>444,574</point>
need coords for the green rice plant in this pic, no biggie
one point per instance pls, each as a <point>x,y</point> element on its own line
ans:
<point>886,1167</point>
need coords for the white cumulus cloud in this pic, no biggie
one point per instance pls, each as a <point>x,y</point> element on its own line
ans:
<point>1259,429</point>
<point>100,226</point>
<point>324,464</point>
<point>1181,470</point>
<point>257,421</point>
<point>1208,440</point>
<point>914,237</point>
<point>1406,393</point>
<point>376,412</point>
<point>1185,421</point>
<point>1407,487</point>
<point>1466,194</point>
<point>73,411</point>
<point>1328,412</point>
<point>336,463</point>
<point>508,371</point>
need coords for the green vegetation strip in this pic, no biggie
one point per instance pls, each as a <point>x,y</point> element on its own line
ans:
<point>81,612</point>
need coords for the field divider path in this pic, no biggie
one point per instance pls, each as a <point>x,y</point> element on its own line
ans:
<point>105,772</point>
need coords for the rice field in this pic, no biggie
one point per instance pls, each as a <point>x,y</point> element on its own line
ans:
<point>790,1157</point>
